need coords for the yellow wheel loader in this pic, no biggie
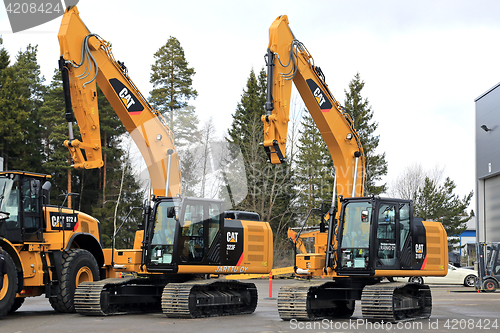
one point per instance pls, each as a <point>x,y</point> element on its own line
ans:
<point>48,249</point>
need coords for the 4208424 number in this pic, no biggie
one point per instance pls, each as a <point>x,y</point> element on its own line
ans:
<point>32,8</point>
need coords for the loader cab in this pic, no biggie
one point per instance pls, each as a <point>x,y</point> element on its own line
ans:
<point>184,231</point>
<point>21,202</point>
<point>378,234</point>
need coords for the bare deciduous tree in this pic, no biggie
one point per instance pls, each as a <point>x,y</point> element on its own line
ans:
<point>407,184</point>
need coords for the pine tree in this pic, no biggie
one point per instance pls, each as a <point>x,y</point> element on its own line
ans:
<point>362,115</point>
<point>172,81</point>
<point>313,168</point>
<point>439,203</point>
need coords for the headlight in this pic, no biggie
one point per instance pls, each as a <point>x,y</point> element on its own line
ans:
<point>4,215</point>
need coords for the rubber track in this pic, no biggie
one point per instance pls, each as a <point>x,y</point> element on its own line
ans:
<point>292,301</point>
<point>88,297</point>
<point>394,302</point>
<point>176,299</point>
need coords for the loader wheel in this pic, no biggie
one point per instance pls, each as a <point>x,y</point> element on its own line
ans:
<point>78,266</point>
<point>9,288</point>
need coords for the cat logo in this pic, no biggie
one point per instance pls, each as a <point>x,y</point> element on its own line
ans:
<point>320,98</point>
<point>419,251</point>
<point>323,103</point>
<point>126,98</point>
<point>232,237</point>
<point>133,105</point>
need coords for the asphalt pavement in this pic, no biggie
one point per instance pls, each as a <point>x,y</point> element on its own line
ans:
<point>455,309</point>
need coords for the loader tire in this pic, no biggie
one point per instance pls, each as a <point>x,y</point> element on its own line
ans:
<point>10,284</point>
<point>78,266</point>
<point>18,302</point>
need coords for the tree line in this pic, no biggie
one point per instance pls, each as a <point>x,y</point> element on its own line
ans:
<point>284,194</point>
<point>33,129</point>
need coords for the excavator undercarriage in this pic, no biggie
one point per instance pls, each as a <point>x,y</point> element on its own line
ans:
<point>191,299</point>
<point>387,301</point>
<point>207,298</point>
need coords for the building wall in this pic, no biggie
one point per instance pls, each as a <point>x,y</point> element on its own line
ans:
<point>488,165</point>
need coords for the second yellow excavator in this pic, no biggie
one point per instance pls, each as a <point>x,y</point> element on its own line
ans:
<point>368,238</point>
<point>182,240</point>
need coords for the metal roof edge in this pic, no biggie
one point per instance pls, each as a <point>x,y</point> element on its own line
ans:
<point>487,92</point>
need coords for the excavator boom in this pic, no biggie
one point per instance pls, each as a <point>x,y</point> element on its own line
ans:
<point>289,61</point>
<point>86,59</point>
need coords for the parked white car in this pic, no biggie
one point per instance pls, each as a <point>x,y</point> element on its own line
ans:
<point>455,275</point>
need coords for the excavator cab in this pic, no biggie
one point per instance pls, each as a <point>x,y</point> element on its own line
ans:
<point>163,231</point>
<point>378,234</point>
<point>21,200</point>
<point>184,231</point>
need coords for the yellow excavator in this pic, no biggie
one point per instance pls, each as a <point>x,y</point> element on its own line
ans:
<point>182,240</point>
<point>368,238</point>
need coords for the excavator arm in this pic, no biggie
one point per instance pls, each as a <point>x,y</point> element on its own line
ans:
<point>86,60</point>
<point>288,60</point>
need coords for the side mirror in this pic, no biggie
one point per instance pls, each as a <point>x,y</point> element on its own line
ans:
<point>364,216</point>
<point>47,186</point>
<point>171,212</point>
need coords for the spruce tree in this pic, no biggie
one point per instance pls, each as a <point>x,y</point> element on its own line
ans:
<point>313,168</point>
<point>4,57</point>
<point>28,73</point>
<point>362,115</point>
<point>189,170</point>
<point>172,81</point>
<point>111,131</point>
<point>14,112</point>
<point>53,132</point>
<point>130,195</point>
<point>439,203</point>
<point>185,124</point>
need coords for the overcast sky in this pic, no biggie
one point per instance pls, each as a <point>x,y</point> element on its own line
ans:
<point>423,62</point>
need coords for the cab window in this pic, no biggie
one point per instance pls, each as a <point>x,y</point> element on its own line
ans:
<point>162,243</point>
<point>193,248</point>
<point>356,235</point>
